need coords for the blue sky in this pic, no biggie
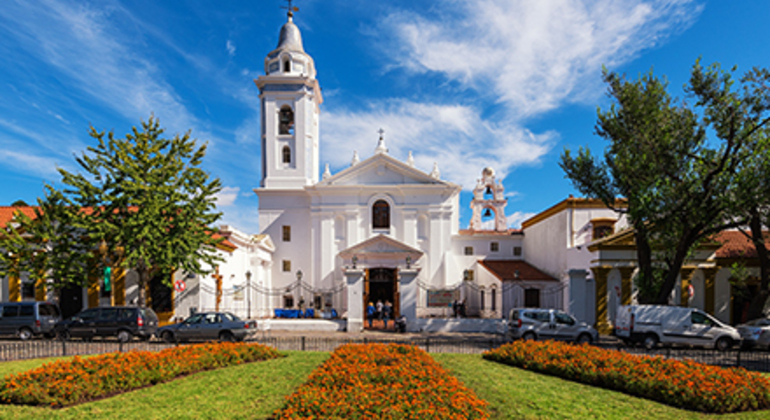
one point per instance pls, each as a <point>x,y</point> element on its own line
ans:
<point>465,83</point>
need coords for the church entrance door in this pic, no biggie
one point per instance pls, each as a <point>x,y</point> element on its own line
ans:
<point>381,284</point>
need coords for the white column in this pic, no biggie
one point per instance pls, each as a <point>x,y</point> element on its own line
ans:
<point>355,281</point>
<point>408,296</point>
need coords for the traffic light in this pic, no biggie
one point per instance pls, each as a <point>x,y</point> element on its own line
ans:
<point>107,278</point>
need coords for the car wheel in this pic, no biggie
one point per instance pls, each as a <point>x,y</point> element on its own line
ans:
<point>63,335</point>
<point>124,336</point>
<point>25,334</point>
<point>584,339</point>
<point>167,336</point>
<point>528,336</point>
<point>226,336</point>
<point>723,344</point>
<point>650,341</point>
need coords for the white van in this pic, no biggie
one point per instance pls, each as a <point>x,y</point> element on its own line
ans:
<point>653,324</point>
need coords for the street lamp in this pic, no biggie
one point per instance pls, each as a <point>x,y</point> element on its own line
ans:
<point>248,294</point>
<point>355,261</point>
<point>408,261</point>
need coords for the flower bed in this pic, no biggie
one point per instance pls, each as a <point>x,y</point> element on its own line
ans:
<point>365,381</point>
<point>78,380</point>
<point>684,384</point>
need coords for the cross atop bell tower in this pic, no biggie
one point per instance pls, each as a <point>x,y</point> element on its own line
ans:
<point>290,97</point>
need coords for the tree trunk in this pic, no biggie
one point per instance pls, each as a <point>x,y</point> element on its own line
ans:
<point>758,301</point>
<point>682,248</point>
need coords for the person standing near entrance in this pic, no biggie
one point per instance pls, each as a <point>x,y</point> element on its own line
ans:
<point>370,313</point>
<point>378,314</point>
<point>387,310</point>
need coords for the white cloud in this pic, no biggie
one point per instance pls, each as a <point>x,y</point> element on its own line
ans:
<point>87,45</point>
<point>226,197</point>
<point>455,136</point>
<point>42,166</point>
<point>515,219</point>
<point>230,48</point>
<point>532,55</point>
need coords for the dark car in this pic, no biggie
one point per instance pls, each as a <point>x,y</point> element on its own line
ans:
<point>28,319</point>
<point>123,322</point>
<point>222,326</point>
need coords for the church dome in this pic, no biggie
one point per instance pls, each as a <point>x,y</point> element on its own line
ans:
<point>290,38</point>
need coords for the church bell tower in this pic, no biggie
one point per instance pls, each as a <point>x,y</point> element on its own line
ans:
<point>290,98</point>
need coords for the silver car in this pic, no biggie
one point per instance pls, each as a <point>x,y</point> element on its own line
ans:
<point>756,333</point>
<point>222,326</point>
<point>548,324</point>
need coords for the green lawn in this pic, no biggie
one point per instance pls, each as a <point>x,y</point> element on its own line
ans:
<point>515,393</point>
<point>255,390</point>
<point>251,391</point>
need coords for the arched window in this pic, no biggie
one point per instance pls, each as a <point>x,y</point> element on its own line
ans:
<point>286,121</point>
<point>381,215</point>
<point>286,154</point>
<point>286,66</point>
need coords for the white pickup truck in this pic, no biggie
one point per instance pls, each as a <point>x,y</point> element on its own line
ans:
<point>653,324</point>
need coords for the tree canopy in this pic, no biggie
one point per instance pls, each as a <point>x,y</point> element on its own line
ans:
<point>677,163</point>
<point>142,202</point>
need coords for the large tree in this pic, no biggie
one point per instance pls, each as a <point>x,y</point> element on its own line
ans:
<point>150,205</point>
<point>676,163</point>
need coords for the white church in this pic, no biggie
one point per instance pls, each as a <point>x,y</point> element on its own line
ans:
<point>384,230</point>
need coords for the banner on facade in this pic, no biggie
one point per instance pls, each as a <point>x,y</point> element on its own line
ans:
<point>442,298</point>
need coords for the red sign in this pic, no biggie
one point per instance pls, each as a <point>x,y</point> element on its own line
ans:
<point>179,286</point>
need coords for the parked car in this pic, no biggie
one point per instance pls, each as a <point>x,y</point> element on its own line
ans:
<point>28,319</point>
<point>222,326</point>
<point>123,322</point>
<point>548,324</point>
<point>654,324</point>
<point>756,333</point>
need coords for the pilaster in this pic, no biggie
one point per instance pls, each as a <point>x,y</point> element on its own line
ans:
<point>626,284</point>
<point>354,278</point>
<point>709,282</point>
<point>408,297</point>
<point>14,289</point>
<point>600,277</point>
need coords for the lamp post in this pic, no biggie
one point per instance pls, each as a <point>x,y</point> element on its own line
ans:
<point>248,294</point>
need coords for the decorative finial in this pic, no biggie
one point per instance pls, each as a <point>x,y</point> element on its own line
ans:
<point>327,173</point>
<point>381,143</point>
<point>435,174</point>
<point>410,159</point>
<point>289,9</point>
<point>355,158</point>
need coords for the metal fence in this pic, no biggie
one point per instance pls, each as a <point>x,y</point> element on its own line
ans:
<point>755,360</point>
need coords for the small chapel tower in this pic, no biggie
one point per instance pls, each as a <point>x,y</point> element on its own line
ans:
<point>488,199</point>
<point>290,97</point>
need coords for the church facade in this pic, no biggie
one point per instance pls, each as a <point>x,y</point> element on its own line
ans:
<point>381,225</point>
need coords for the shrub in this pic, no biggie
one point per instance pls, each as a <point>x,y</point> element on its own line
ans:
<point>365,381</point>
<point>684,384</point>
<point>77,380</point>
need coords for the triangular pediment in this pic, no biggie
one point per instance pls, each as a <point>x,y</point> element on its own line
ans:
<point>382,245</point>
<point>623,239</point>
<point>381,169</point>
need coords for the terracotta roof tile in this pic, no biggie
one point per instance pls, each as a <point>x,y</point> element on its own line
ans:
<point>505,270</point>
<point>7,212</point>
<point>736,245</point>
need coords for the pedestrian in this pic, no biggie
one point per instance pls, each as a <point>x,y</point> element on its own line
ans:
<point>462,308</point>
<point>370,313</point>
<point>387,312</point>
<point>378,306</point>
<point>454,309</point>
